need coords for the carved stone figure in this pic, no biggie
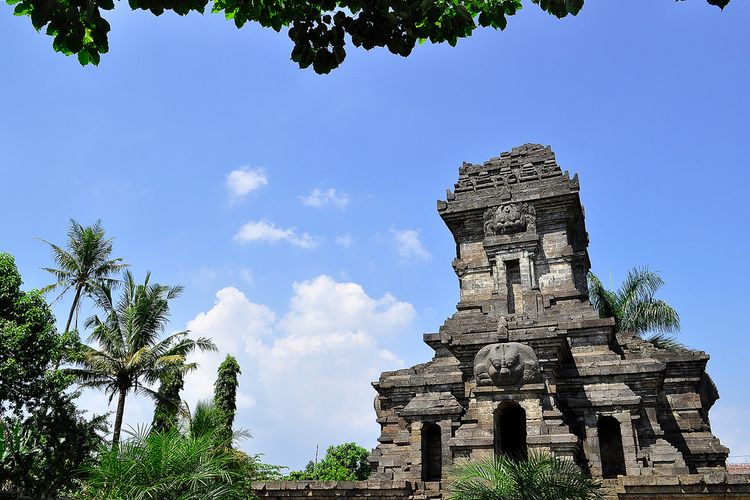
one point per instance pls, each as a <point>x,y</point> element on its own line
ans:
<point>508,363</point>
<point>509,218</point>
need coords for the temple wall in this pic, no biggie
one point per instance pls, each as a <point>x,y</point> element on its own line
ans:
<point>477,282</point>
<point>473,254</point>
<point>691,487</point>
<point>374,490</point>
<point>557,254</point>
<point>477,286</point>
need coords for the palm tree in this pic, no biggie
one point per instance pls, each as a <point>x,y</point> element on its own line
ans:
<point>634,307</point>
<point>194,462</point>
<point>130,354</point>
<point>208,419</point>
<point>83,265</point>
<point>540,477</point>
<point>166,464</point>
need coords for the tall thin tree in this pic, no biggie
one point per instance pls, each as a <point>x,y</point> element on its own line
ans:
<point>225,391</point>
<point>130,353</point>
<point>83,265</point>
<point>168,401</point>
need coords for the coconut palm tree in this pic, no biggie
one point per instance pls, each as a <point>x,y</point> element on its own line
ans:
<point>83,265</point>
<point>540,477</point>
<point>130,353</point>
<point>634,307</point>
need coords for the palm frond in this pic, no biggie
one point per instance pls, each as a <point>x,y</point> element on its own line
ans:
<point>604,301</point>
<point>88,378</point>
<point>166,464</point>
<point>633,305</point>
<point>143,390</point>
<point>540,477</point>
<point>651,315</point>
<point>640,285</point>
<point>55,286</point>
<point>663,341</point>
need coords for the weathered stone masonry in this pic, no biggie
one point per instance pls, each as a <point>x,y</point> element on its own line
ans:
<point>526,349</point>
<point>525,364</point>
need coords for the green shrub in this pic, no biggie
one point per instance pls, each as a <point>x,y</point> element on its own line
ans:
<point>345,462</point>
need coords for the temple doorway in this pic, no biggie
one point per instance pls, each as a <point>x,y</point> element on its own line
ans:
<point>510,431</point>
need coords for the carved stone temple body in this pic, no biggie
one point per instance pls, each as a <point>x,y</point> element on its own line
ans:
<point>525,364</point>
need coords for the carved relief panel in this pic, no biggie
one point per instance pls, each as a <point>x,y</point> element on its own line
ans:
<point>509,218</point>
<point>506,364</point>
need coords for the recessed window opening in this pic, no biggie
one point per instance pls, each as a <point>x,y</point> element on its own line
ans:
<point>432,453</point>
<point>610,447</point>
<point>513,282</point>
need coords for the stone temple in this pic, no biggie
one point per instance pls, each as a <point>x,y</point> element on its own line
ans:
<point>526,364</point>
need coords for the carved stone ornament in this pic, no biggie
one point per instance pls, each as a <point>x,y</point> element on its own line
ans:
<point>506,364</point>
<point>379,413</point>
<point>509,218</point>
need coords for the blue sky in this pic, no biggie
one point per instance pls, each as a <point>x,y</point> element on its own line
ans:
<point>648,104</point>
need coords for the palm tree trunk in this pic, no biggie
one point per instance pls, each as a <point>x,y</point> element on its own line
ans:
<point>73,307</point>
<point>118,419</point>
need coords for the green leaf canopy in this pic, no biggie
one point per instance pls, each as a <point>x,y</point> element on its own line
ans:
<point>319,29</point>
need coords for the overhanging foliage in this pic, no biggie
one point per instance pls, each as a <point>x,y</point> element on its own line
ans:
<point>319,29</point>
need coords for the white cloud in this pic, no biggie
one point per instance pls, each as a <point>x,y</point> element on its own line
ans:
<point>231,323</point>
<point>409,246</point>
<point>243,180</point>
<point>306,378</point>
<point>319,198</point>
<point>344,240</point>
<point>246,275</point>
<point>266,231</point>
<point>321,383</point>
<point>325,305</point>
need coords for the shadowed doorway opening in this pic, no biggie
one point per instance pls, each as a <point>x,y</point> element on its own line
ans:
<point>510,431</point>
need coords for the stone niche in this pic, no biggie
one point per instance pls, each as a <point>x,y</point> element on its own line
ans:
<point>525,363</point>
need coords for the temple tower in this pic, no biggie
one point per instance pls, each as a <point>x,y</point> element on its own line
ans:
<point>525,364</point>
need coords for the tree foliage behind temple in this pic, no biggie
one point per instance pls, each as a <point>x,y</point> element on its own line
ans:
<point>635,308</point>
<point>344,462</point>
